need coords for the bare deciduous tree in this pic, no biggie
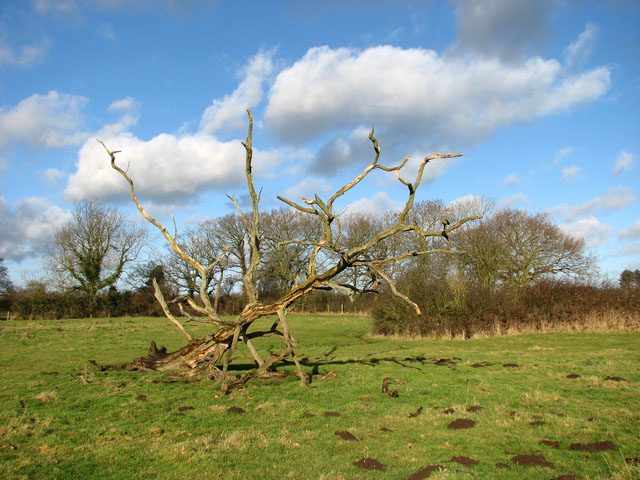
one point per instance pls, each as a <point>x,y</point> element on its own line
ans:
<point>515,248</point>
<point>327,258</point>
<point>90,252</point>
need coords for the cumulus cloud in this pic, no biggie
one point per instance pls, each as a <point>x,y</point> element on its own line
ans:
<point>616,198</point>
<point>308,187</point>
<point>45,121</point>
<point>339,153</point>
<point>631,232</point>
<point>129,110</point>
<point>26,227</point>
<point>624,162</point>
<point>127,104</point>
<point>507,29</point>
<point>165,168</point>
<point>416,93</point>
<point>379,204</point>
<point>570,173</point>
<point>229,112</point>
<point>594,232</point>
<point>578,52</point>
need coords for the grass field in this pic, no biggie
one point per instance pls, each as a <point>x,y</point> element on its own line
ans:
<point>526,418</point>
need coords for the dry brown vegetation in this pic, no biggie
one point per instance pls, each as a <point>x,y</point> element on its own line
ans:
<point>459,310</point>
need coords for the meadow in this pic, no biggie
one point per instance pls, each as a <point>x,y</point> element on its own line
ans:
<point>534,406</point>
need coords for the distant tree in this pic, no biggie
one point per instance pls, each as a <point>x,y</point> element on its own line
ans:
<point>90,252</point>
<point>629,279</point>
<point>5,282</point>
<point>6,287</point>
<point>515,248</point>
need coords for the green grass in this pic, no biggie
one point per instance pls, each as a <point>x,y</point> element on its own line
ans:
<point>129,424</point>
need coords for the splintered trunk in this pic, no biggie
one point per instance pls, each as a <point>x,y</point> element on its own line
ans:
<point>210,355</point>
<point>191,359</point>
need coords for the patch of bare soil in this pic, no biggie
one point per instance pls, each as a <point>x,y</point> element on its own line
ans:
<point>510,365</point>
<point>474,408</point>
<point>142,398</point>
<point>416,413</point>
<point>537,423</point>
<point>573,375</point>
<point>346,435</point>
<point>549,443</point>
<point>369,464</point>
<point>569,476</point>
<point>331,414</point>
<point>385,429</point>
<point>632,461</point>
<point>482,364</point>
<point>426,472</point>
<point>446,361</point>
<point>461,423</point>
<point>466,461</point>
<point>235,410</point>
<point>503,465</point>
<point>185,407</point>
<point>308,415</point>
<point>593,447</point>
<point>532,460</point>
<point>616,379</point>
<point>50,373</point>
<point>449,411</point>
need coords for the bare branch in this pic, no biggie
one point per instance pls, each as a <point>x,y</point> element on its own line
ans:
<point>167,312</point>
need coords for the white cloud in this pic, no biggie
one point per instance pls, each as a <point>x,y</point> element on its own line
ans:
<point>127,104</point>
<point>164,168</point>
<point>518,200</point>
<point>26,228</point>
<point>53,176</point>
<point>631,232</point>
<point>24,56</point>
<point>46,121</point>
<point>107,32</point>
<point>308,187</point>
<point>632,250</point>
<point>379,204</point>
<point>594,232</point>
<point>561,154</point>
<point>229,112</point>
<point>580,50</point>
<point>419,96</point>
<point>508,29</point>
<point>511,180</point>
<point>570,173</point>
<point>338,153</point>
<point>624,162</point>
<point>616,198</point>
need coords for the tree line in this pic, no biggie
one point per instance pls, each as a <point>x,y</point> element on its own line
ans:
<point>94,265</point>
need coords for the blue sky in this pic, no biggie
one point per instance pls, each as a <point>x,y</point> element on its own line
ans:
<point>541,96</point>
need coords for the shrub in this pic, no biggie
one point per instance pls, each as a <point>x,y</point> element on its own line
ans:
<point>453,309</point>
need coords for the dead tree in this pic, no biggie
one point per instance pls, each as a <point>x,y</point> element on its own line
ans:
<point>211,354</point>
